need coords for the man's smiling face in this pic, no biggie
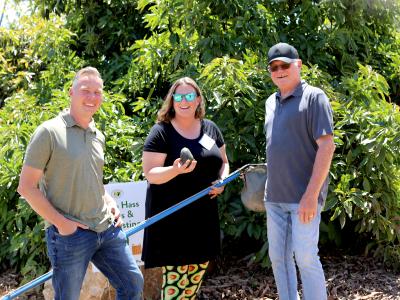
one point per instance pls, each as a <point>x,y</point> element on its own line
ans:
<point>285,75</point>
<point>86,96</point>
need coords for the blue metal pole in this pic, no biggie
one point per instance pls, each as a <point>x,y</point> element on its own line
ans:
<point>30,285</point>
<point>183,203</point>
<point>146,223</point>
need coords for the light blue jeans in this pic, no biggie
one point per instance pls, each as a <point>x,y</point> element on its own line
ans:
<point>289,239</point>
<point>108,250</point>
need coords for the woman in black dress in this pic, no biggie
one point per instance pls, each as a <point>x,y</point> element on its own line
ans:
<point>184,242</point>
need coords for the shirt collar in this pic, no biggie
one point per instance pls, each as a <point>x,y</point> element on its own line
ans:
<point>295,93</point>
<point>70,121</point>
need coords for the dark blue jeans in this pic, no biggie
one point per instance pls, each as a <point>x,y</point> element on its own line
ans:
<point>108,250</point>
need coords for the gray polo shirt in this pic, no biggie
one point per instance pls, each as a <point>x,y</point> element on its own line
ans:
<point>72,159</point>
<point>292,126</point>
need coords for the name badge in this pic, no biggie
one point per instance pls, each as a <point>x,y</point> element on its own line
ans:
<point>206,142</point>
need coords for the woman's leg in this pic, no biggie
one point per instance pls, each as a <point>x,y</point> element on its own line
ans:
<point>182,282</point>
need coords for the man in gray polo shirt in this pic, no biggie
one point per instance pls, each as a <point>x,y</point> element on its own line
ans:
<point>299,147</point>
<point>62,180</point>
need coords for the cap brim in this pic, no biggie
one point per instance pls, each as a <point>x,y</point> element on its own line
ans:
<point>285,59</point>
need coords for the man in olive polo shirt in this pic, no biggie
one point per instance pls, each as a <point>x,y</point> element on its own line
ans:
<point>62,180</point>
<point>299,147</point>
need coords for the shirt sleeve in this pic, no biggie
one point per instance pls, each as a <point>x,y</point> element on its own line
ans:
<point>219,137</point>
<point>157,139</point>
<point>214,132</point>
<point>321,116</point>
<point>38,152</point>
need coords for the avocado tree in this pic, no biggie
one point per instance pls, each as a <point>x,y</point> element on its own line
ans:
<point>350,48</point>
<point>346,47</point>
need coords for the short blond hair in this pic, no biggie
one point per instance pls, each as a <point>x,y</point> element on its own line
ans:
<point>86,71</point>
<point>167,113</point>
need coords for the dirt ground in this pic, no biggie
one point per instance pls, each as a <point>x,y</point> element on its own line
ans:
<point>347,277</point>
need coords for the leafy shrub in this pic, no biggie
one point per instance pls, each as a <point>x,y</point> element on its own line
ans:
<point>37,63</point>
<point>366,166</point>
<point>222,45</point>
<point>20,228</point>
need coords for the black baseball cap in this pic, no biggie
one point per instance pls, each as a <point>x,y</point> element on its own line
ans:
<point>283,52</point>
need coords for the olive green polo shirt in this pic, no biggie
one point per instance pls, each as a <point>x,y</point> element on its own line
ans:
<point>72,160</point>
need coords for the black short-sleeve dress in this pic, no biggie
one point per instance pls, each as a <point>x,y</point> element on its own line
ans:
<point>192,234</point>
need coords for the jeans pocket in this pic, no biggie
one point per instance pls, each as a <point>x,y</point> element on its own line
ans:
<point>65,236</point>
<point>119,234</point>
<point>77,240</point>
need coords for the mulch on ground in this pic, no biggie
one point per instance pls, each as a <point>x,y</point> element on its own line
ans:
<point>347,277</point>
<point>9,281</point>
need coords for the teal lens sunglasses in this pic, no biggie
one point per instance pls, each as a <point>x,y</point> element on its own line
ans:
<point>189,97</point>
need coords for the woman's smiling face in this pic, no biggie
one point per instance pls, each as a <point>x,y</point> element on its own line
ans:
<point>185,108</point>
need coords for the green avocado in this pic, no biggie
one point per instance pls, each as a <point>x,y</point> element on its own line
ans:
<point>196,278</point>
<point>170,292</point>
<point>182,269</point>
<point>190,291</point>
<point>204,265</point>
<point>183,282</point>
<point>193,269</point>
<point>172,277</point>
<point>186,155</point>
